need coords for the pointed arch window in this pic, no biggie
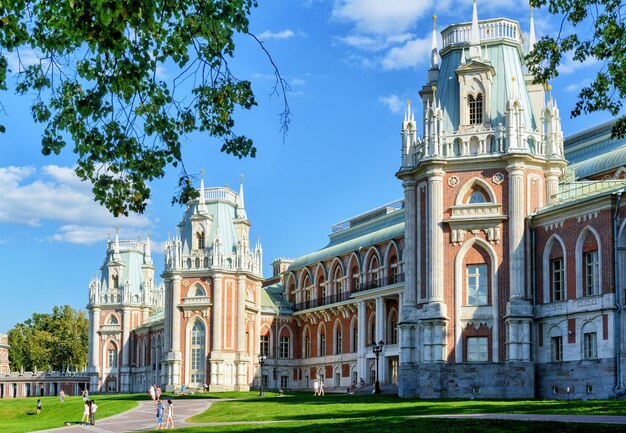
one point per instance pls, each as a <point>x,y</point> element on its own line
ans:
<point>112,357</point>
<point>477,284</point>
<point>201,241</point>
<point>116,281</point>
<point>197,353</point>
<point>322,343</point>
<point>113,320</point>
<point>199,291</point>
<point>477,197</point>
<point>355,279</point>
<point>475,109</point>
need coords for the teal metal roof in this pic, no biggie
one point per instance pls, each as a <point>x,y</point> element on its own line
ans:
<point>132,255</point>
<point>273,299</point>
<point>223,214</point>
<point>507,64</point>
<point>373,232</point>
<point>599,164</point>
<point>582,190</point>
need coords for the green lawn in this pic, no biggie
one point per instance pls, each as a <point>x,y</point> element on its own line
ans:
<point>403,425</point>
<point>18,415</point>
<point>301,406</point>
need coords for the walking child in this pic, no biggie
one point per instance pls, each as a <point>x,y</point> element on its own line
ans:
<point>38,406</point>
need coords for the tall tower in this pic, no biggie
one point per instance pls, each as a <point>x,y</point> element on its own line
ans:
<point>491,153</point>
<point>212,303</point>
<point>119,301</point>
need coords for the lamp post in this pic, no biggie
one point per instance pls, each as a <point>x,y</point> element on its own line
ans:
<point>377,348</point>
<point>262,359</point>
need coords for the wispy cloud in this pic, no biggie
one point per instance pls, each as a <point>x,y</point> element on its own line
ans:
<point>381,17</point>
<point>569,65</point>
<point>54,194</point>
<point>22,58</point>
<point>283,34</point>
<point>392,101</point>
<point>409,55</point>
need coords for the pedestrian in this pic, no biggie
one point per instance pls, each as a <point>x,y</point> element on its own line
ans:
<point>92,415</point>
<point>316,387</point>
<point>321,390</point>
<point>83,391</point>
<point>361,383</point>
<point>62,396</point>
<point>151,392</point>
<point>158,392</point>
<point>170,414</point>
<point>38,406</point>
<point>182,388</point>
<point>85,418</point>
<point>159,415</point>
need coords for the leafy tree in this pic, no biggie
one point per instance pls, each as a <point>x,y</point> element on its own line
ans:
<point>97,85</point>
<point>58,341</point>
<point>605,41</point>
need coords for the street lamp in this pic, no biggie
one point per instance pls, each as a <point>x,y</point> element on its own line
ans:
<point>262,359</point>
<point>377,348</point>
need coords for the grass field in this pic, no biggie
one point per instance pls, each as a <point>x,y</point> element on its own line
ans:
<point>301,406</point>
<point>18,415</point>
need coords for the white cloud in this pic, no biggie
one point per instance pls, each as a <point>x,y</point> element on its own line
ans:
<point>381,17</point>
<point>374,43</point>
<point>297,82</point>
<point>22,58</point>
<point>29,196</point>
<point>283,34</point>
<point>411,54</point>
<point>393,101</point>
<point>569,65</point>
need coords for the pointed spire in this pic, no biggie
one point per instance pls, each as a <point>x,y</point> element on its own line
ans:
<point>434,57</point>
<point>531,37</point>
<point>117,242</point>
<point>202,202</point>
<point>407,114</point>
<point>475,51</point>
<point>462,56</point>
<point>241,211</point>
<point>148,253</point>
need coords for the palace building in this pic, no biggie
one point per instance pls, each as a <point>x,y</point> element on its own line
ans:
<point>501,273</point>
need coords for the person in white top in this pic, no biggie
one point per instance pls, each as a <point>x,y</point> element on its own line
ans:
<point>316,387</point>
<point>170,414</point>
<point>321,392</point>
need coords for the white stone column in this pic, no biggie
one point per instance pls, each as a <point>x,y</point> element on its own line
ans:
<point>410,238</point>
<point>552,181</point>
<point>217,314</point>
<point>435,229</point>
<point>125,370</point>
<point>241,315</point>
<point>380,335</point>
<point>94,344</point>
<point>175,315</point>
<point>362,343</point>
<point>516,213</point>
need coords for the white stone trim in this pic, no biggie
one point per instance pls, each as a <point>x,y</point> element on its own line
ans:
<point>547,288</point>
<point>588,230</point>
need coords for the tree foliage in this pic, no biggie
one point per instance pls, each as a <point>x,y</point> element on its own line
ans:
<point>605,42</point>
<point>98,85</point>
<point>58,341</point>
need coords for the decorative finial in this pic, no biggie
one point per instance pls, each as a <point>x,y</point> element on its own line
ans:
<point>202,172</point>
<point>408,101</point>
<point>116,229</point>
<point>435,18</point>
<point>241,177</point>
<point>434,88</point>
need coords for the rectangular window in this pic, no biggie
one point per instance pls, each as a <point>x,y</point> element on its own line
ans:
<point>477,349</point>
<point>558,279</point>
<point>476,284</point>
<point>337,379</point>
<point>590,342</point>
<point>592,273</point>
<point>322,344</point>
<point>338,343</point>
<point>264,349</point>
<point>284,347</point>
<point>475,109</point>
<point>355,339</point>
<point>284,381</point>
<point>112,355</point>
<point>394,333</point>
<point>556,349</point>
<point>266,381</point>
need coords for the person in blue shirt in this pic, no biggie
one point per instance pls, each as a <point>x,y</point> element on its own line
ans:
<point>159,414</point>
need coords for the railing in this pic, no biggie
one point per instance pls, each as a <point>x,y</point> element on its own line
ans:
<point>487,30</point>
<point>380,282</point>
<point>568,191</point>
<point>344,296</point>
<point>220,194</point>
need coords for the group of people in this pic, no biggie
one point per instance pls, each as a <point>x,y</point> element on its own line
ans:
<point>318,387</point>
<point>169,422</point>
<point>154,392</point>
<point>89,411</point>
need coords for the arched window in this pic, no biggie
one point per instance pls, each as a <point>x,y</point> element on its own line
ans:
<point>113,320</point>
<point>475,109</point>
<point>355,279</point>
<point>116,281</point>
<point>322,290</point>
<point>476,284</point>
<point>322,351</point>
<point>338,339</point>
<point>199,291</point>
<point>338,283</point>
<point>374,272</point>
<point>112,357</point>
<point>394,270</point>
<point>197,353</point>
<point>476,197</point>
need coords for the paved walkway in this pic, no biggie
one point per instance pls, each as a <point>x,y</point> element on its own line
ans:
<point>143,418</point>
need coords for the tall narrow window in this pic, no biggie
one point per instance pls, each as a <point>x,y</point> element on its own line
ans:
<point>307,346</point>
<point>355,279</point>
<point>112,358</point>
<point>322,343</point>
<point>393,337</point>
<point>475,109</point>
<point>338,342</point>
<point>284,347</point>
<point>116,281</point>
<point>558,279</point>
<point>264,349</point>
<point>201,244</point>
<point>556,349</point>
<point>590,343</point>
<point>355,339</point>
<point>476,284</point>
<point>197,353</point>
<point>592,273</point>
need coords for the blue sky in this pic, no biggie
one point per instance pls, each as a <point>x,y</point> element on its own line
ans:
<point>351,65</point>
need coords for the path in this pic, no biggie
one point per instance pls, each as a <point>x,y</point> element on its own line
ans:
<point>141,418</point>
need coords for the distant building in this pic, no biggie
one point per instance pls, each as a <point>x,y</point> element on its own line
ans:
<point>501,273</point>
<point>4,354</point>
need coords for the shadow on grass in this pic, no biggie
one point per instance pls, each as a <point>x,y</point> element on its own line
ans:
<point>378,425</point>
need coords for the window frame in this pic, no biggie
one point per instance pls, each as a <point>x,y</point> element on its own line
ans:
<point>557,279</point>
<point>475,289</point>
<point>556,348</point>
<point>477,349</point>
<point>591,263</point>
<point>475,106</point>
<point>590,345</point>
